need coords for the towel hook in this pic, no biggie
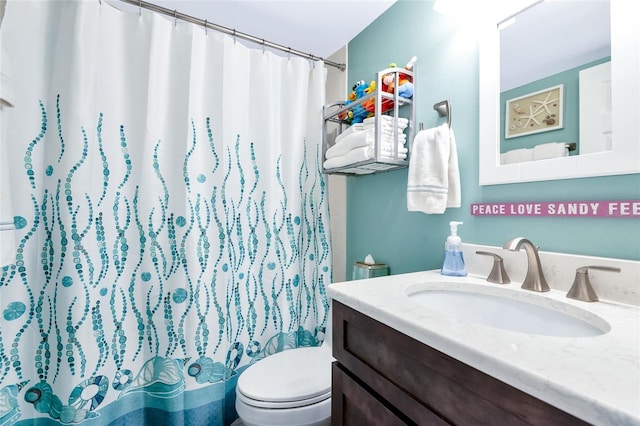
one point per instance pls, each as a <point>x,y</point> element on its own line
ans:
<point>444,110</point>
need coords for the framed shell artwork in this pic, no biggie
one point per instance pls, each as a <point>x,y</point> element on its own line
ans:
<point>536,112</point>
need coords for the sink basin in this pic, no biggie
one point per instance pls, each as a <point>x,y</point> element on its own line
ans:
<point>511,310</point>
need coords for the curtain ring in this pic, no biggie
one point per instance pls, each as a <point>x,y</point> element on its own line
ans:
<point>234,36</point>
<point>175,17</point>
<point>289,50</point>
<point>139,7</point>
<point>205,28</point>
<point>263,46</point>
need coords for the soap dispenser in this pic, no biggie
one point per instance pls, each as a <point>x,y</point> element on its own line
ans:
<point>453,259</point>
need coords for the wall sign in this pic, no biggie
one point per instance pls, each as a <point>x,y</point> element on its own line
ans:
<point>617,208</point>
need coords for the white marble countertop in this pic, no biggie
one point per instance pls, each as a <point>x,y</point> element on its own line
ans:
<point>594,378</point>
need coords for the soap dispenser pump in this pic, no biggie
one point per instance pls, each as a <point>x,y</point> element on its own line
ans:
<point>453,259</point>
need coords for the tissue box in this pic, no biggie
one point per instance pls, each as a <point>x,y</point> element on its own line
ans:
<point>363,270</point>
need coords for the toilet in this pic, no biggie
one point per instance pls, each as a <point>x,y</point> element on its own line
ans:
<point>289,388</point>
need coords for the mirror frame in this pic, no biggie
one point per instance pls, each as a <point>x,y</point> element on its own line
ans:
<point>624,158</point>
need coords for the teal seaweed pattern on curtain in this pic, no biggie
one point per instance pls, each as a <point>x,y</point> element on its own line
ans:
<point>129,296</point>
<point>170,212</point>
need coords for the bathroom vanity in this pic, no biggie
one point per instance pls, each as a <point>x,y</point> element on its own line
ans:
<point>399,362</point>
<point>394,379</point>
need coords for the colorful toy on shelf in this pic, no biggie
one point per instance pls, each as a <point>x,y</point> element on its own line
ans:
<point>404,84</point>
<point>370,104</point>
<point>359,112</point>
<point>367,108</point>
<point>370,88</point>
<point>359,89</point>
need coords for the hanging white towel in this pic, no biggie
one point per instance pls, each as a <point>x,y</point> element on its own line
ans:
<point>434,178</point>
<point>550,150</point>
<point>517,156</point>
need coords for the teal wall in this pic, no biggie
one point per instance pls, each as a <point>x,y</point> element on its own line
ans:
<point>571,127</point>
<point>377,218</point>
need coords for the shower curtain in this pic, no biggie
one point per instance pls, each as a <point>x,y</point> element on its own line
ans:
<point>170,216</point>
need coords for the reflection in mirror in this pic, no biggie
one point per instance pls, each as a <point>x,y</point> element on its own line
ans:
<point>554,57</point>
<point>617,158</point>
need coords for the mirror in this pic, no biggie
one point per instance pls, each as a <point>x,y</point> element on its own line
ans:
<point>574,41</point>
<point>622,156</point>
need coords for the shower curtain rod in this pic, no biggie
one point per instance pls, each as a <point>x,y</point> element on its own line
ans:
<point>204,23</point>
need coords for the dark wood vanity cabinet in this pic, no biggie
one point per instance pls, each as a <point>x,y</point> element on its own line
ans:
<point>383,377</point>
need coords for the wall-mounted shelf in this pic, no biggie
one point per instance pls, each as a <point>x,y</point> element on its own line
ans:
<point>386,143</point>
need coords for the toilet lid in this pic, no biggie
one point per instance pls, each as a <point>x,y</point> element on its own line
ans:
<point>291,378</point>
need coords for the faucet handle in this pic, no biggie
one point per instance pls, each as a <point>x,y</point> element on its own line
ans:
<point>581,288</point>
<point>498,275</point>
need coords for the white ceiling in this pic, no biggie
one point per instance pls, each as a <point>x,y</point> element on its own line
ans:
<point>317,27</point>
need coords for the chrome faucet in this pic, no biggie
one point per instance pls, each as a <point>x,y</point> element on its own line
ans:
<point>581,288</point>
<point>498,274</point>
<point>534,280</point>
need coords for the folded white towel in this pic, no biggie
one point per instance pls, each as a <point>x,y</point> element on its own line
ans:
<point>357,155</point>
<point>434,178</point>
<point>352,141</point>
<point>550,150</point>
<point>358,139</point>
<point>390,156</point>
<point>389,120</point>
<point>516,156</point>
<point>387,130</point>
<point>388,150</point>
<point>358,127</point>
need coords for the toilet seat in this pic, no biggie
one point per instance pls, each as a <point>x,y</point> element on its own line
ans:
<point>288,379</point>
<point>282,405</point>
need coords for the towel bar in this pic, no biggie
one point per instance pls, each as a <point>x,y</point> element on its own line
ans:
<point>444,110</point>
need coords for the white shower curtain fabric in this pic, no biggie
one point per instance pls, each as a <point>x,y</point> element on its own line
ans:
<point>170,213</point>
<point>7,226</point>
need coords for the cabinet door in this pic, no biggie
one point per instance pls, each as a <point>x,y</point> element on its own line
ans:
<point>351,404</point>
<point>427,386</point>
